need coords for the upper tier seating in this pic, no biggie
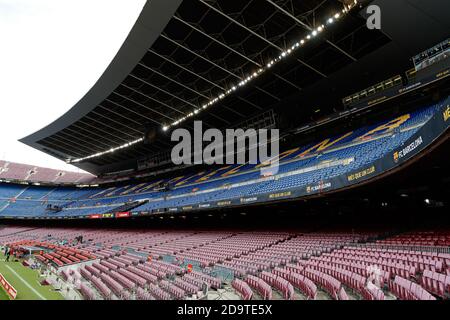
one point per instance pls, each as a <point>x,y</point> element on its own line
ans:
<point>24,172</point>
<point>299,167</point>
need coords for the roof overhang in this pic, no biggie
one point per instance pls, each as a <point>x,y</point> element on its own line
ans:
<point>151,22</point>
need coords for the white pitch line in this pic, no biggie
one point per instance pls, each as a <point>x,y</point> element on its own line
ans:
<point>26,283</point>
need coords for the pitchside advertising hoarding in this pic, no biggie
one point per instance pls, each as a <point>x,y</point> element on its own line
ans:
<point>110,215</point>
<point>9,289</point>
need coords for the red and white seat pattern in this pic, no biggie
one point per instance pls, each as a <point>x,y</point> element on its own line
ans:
<point>436,283</point>
<point>327,282</point>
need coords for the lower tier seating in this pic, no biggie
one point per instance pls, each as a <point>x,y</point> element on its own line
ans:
<point>152,264</point>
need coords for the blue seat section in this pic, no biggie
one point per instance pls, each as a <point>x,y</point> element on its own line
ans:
<point>23,208</point>
<point>308,165</point>
<point>34,193</point>
<point>9,191</point>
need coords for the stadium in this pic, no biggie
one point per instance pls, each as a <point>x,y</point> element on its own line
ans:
<point>353,205</point>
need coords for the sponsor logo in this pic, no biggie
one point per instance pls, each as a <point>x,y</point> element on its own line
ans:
<point>246,200</point>
<point>319,187</point>
<point>173,209</point>
<point>187,208</point>
<point>224,203</point>
<point>408,149</point>
<point>204,205</point>
<point>122,214</point>
<point>396,156</point>
<point>361,174</point>
<point>280,195</point>
<point>447,113</point>
<point>108,215</point>
<point>443,74</point>
<point>95,216</point>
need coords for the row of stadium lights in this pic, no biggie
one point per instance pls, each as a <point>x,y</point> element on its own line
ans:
<point>99,154</point>
<point>235,87</point>
<point>261,70</point>
<point>254,75</point>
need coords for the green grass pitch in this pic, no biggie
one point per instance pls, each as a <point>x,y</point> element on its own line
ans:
<point>26,282</point>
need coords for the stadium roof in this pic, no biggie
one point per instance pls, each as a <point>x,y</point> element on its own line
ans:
<point>180,55</point>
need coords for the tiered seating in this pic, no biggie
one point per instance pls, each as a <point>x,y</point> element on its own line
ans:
<point>177,292</point>
<point>158,293</point>
<point>123,278</point>
<point>411,261</point>
<point>87,292</point>
<point>355,265</point>
<point>152,271</point>
<point>148,277</point>
<point>85,273</point>
<point>104,290</point>
<point>301,167</point>
<point>436,283</point>
<point>353,280</point>
<point>339,263</point>
<point>93,270</point>
<point>211,281</point>
<point>372,292</point>
<point>327,282</point>
<point>60,257</point>
<point>262,287</point>
<point>424,238</point>
<point>25,172</point>
<point>115,286</point>
<point>101,287</point>
<point>109,265</point>
<point>298,280</point>
<point>279,283</point>
<point>141,294</point>
<point>343,294</point>
<point>187,286</point>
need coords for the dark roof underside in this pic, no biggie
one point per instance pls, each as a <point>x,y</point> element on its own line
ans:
<point>205,48</point>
